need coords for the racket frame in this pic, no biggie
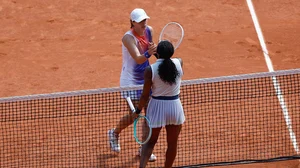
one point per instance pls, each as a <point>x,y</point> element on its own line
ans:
<point>182,33</point>
<point>132,108</point>
<point>135,131</point>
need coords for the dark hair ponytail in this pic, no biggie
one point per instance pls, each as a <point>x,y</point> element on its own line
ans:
<point>167,70</point>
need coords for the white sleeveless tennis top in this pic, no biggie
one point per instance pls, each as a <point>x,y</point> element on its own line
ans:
<point>132,73</point>
<point>160,88</point>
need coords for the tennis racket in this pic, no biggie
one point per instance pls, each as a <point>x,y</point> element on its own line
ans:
<point>172,32</point>
<point>141,126</point>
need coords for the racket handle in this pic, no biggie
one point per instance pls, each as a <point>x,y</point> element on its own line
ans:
<point>137,110</point>
<point>130,104</point>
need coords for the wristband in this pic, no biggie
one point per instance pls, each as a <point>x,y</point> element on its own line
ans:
<point>137,110</point>
<point>147,55</point>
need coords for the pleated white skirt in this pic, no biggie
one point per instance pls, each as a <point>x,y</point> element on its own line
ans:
<point>165,112</point>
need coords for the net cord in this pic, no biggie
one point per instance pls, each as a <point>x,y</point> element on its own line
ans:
<point>139,87</point>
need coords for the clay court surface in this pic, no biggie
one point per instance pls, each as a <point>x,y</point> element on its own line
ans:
<point>58,46</point>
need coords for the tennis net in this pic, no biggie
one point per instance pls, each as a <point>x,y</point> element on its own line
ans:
<point>229,120</point>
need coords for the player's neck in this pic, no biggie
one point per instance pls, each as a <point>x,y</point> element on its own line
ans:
<point>135,33</point>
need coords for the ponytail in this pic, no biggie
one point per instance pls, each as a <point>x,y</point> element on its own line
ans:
<point>168,72</point>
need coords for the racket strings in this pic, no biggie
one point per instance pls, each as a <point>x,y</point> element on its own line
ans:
<point>142,129</point>
<point>173,33</point>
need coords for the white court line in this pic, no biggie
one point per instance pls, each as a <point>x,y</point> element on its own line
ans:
<point>275,82</point>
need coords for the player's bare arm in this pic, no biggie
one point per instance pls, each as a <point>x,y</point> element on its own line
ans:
<point>129,43</point>
<point>146,88</point>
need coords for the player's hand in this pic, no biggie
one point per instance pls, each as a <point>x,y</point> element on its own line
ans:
<point>134,115</point>
<point>152,48</point>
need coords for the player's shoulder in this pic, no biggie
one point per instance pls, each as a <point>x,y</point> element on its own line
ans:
<point>148,72</point>
<point>150,27</point>
<point>127,38</point>
<point>180,60</point>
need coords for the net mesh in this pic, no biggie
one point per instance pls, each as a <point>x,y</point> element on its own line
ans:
<point>253,117</point>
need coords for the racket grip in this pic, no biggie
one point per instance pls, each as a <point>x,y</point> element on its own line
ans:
<point>130,104</point>
<point>137,110</point>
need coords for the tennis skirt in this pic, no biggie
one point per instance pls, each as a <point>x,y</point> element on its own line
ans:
<point>165,112</point>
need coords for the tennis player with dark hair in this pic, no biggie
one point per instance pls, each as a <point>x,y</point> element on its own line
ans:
<point>137,48</point>
<point>163,78</point>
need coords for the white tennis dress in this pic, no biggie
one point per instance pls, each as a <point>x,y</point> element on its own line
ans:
<point>165,107</point>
